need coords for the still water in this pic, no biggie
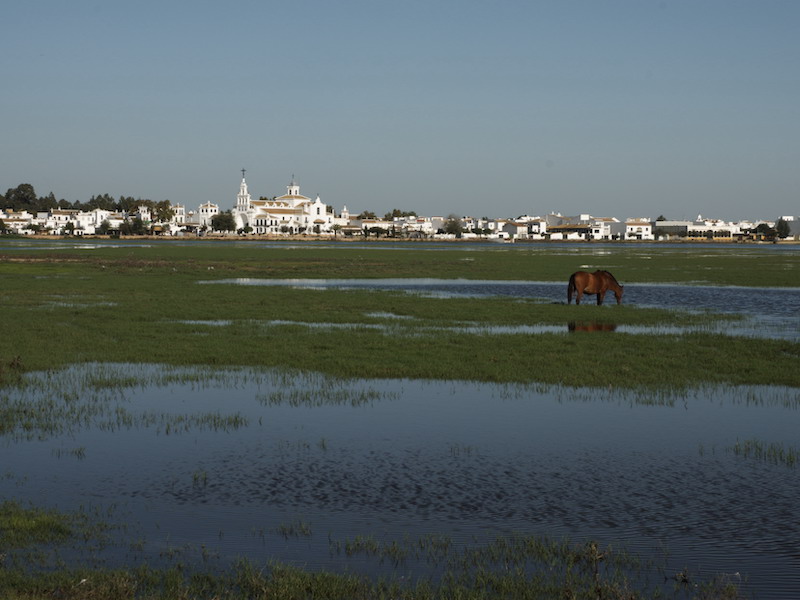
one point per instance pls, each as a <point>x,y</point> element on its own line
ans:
<point>207,467</point>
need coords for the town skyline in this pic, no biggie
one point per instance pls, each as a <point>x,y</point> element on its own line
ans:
<point>296,214</point>
<point>231,202</point>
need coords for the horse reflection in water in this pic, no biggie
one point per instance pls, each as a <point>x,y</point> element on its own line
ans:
<point>573,326</point>
<point>599,283</point>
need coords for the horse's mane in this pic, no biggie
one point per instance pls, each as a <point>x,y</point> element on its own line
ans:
<point>614,279</point>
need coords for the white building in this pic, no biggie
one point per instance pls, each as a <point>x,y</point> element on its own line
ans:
<point>607,228</point>
<point>291,213</point>
<point>639,229</point>
<point>206,212</point>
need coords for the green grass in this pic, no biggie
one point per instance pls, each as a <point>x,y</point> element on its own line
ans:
<point>732,264</point>
<point>21,527</point>
<point>774,453</point>
<point>507,567</point>
<point>142,305</point>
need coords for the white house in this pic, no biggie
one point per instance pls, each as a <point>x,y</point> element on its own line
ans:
<point>607,228</point>
<point>205,213</point>
<point>639,229</point>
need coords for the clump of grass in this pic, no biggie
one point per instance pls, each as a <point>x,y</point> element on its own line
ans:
<point>79,452</point>
<point>325,395</point>
<point>21,527</point>
<point>772,452</point>
<point>200,478</point>
<point>295,528</point>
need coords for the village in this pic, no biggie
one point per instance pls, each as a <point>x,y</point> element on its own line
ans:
<point>293,214</point>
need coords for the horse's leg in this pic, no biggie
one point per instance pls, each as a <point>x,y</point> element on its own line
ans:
<point>578,296</point>
<point>600,296</point>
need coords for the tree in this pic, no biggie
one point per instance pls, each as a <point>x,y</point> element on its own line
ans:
<point>102,201</point>
<point>453,226</point>
<point>2,226</point>
<point>397,213</point>
<point>224,221</point>
<point>22,197</point>
<point>104,227</point>
<point>336,228</point>
<point>163,211</point>
<point>133,227</point>
<point>367,214</point>
<point>765,230</point>
<point>782,229</point>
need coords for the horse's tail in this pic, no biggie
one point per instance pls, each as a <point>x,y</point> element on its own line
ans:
<point>570,288</point>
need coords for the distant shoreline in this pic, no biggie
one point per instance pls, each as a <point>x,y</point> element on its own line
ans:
<point>351,239</point>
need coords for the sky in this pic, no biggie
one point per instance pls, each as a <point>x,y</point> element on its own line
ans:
<point>494,108</point>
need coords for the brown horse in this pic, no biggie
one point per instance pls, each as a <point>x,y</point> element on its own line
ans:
<point>598,283</point>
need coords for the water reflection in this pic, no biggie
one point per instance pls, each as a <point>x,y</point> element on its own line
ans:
<point>592,326</point>
<point>207,459</point>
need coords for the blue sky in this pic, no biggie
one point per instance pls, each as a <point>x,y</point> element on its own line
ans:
<point>493,108</point>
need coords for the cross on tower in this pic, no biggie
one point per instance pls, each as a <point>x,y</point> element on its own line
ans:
<point>243,172</point>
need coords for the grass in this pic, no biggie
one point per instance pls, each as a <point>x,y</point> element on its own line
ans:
<point>730,264</point>
<point>771,452</point>
<point>144,304</point>
<point>506,567</point>
<point>22,527</point>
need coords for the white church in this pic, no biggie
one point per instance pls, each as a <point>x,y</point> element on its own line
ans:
<point>291,213</point>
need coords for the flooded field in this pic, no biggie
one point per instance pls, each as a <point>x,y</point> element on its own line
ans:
<point>204,467</point>
<point>769,313</point>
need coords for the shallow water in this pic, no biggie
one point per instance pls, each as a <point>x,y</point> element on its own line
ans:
<point>396,458</point>
<point>769,313</point>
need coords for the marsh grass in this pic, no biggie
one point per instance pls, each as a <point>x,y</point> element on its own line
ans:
<point>21,527</point>
<point>511,566</point>
<point>771,452</point>
<point>52,403</point>
<point>326,395</point>
<point>295,528</point>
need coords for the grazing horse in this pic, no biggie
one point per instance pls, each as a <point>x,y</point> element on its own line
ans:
<point>598,283</point>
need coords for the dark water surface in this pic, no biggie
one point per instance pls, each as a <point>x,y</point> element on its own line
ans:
<point>397,458</point>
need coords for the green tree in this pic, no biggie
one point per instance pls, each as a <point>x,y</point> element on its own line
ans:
<point>133,226</point>
<point>48,202</point>
<point>367,214</point>
<point>454,226</point>
<point>224,221</point>
<point>765,230</point>
<point>397,213</point>
<point>163,211</point>
<point>2,226</point>
<point>102,201</point>
<point>22,197</point>
<point>782,229</point>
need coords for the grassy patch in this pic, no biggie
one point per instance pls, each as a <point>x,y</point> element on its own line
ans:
<point>22,527</point>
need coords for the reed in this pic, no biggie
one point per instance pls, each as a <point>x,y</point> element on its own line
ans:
<point>771,452</point>
<point>512,567</point>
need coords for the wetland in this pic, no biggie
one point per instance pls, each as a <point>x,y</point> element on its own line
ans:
<point>405,426</point>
